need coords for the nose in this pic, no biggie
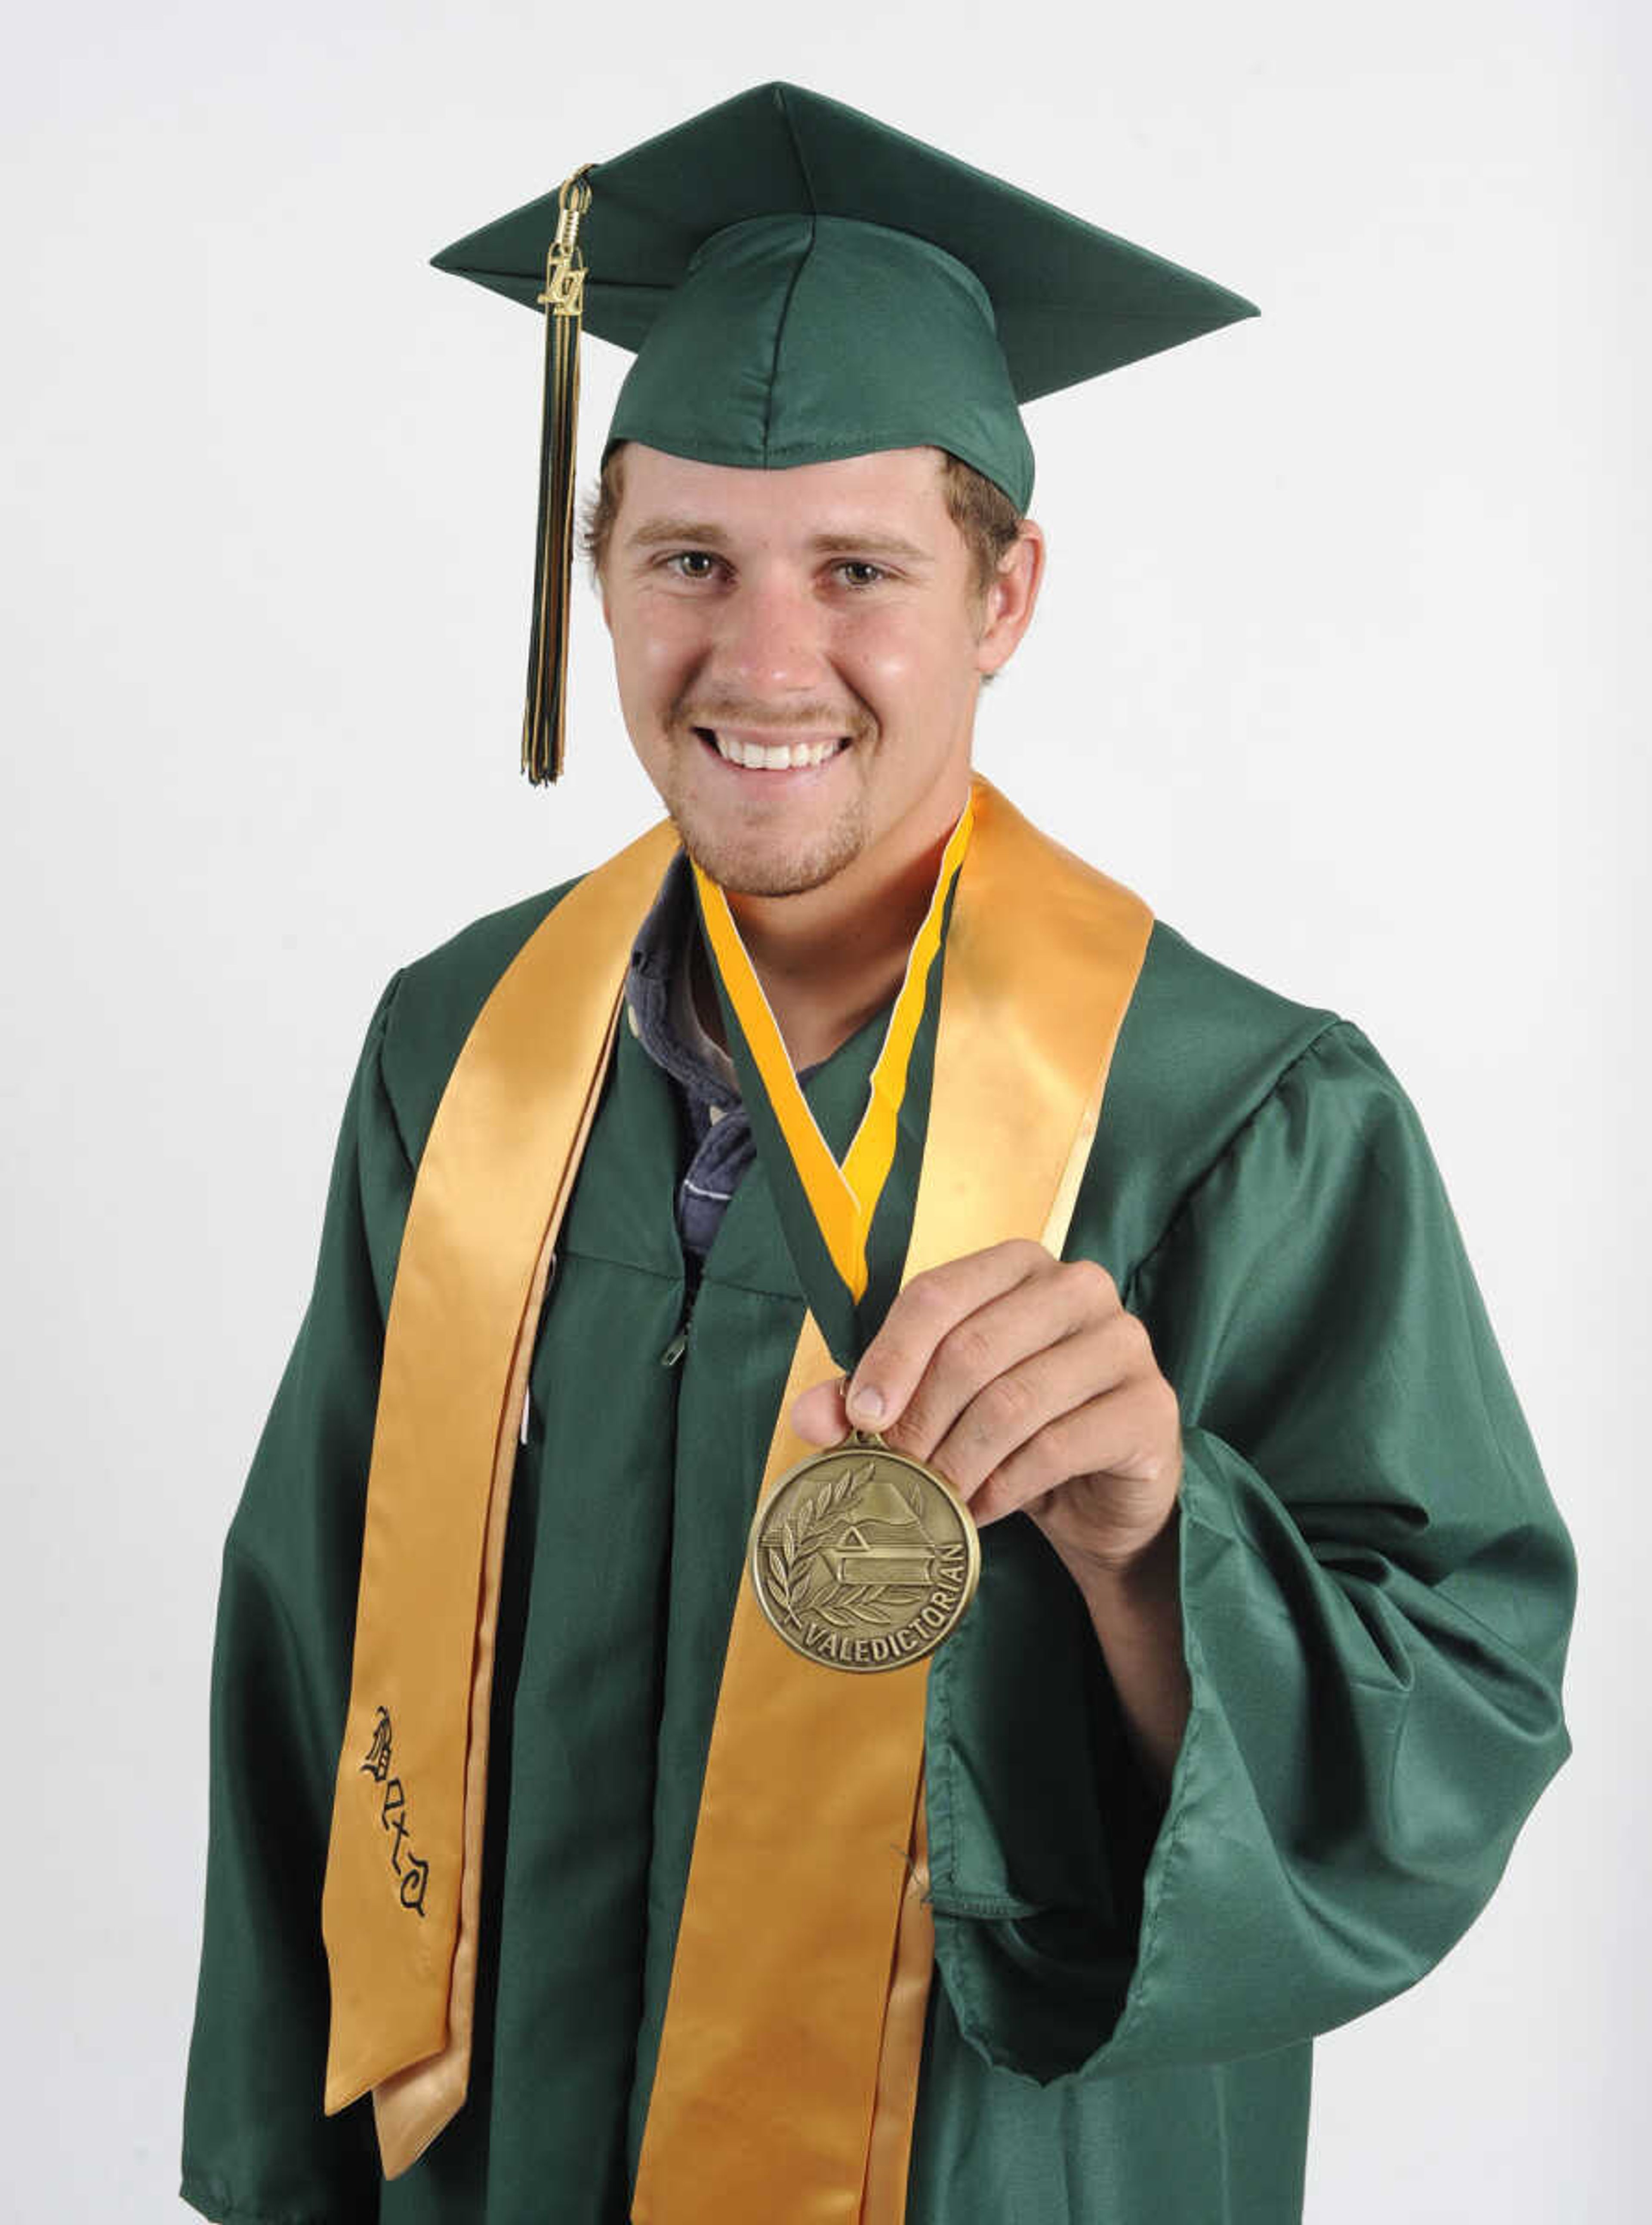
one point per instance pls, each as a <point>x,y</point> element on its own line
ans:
<point>771,638</point>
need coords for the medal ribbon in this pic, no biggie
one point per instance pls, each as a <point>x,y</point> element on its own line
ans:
<point>848,1258</point>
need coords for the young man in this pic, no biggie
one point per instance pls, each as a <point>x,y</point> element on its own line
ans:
<point>1153,1666</point>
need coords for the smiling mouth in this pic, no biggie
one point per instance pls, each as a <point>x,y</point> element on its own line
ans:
<point>772,757</point>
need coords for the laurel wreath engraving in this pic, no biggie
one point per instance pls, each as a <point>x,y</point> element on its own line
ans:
<point>802,1583</point>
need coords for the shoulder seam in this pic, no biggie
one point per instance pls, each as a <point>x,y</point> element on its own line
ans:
<point>1229,1143</point>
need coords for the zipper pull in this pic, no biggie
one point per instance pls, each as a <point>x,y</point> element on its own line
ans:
<point>679,1344</point>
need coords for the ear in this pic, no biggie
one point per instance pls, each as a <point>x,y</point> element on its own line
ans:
<point>1009,602</point>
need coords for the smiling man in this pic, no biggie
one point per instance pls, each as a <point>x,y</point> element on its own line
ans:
<point>824,622</point>
<point>896,1557</point>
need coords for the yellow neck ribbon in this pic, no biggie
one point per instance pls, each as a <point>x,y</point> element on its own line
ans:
<point>828,1209</point>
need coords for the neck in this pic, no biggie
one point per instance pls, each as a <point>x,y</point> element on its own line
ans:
<point>830,957</point>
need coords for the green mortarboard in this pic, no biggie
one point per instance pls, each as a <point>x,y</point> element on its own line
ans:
<point>801,283</point>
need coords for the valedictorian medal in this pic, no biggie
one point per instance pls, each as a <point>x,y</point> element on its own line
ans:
<point>861,1558</point>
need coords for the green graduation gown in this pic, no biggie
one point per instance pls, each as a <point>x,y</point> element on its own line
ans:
<point>1376,1590</point>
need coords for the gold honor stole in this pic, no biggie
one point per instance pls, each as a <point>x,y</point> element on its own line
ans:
<point>787,2071</point>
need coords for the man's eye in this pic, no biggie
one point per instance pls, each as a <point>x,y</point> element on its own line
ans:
<point>691,563</point>
<point>856,573</point>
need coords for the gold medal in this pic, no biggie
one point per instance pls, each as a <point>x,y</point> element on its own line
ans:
<point>863,1559</point>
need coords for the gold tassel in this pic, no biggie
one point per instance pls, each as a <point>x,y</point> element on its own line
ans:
<point>547,650</point>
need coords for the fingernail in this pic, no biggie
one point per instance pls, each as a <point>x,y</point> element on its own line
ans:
<point>865,1405</point>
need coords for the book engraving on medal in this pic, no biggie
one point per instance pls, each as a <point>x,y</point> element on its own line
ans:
<point>862,1559</point>
<point>413,1874</point>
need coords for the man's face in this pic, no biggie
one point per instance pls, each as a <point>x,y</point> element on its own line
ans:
<point>799,654</point>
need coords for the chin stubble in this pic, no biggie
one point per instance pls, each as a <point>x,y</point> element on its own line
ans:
<point>752,868</point>
<point>744,862</point>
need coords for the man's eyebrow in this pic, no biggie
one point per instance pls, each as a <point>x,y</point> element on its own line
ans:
<point>698,533</point>
<point>872,543</point>
<point>677,532</point>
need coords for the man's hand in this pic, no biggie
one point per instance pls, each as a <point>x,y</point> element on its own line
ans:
<point>1025,1383</point>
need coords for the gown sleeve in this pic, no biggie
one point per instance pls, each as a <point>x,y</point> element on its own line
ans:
<point>256,2146</point>
<point>1376,1594</point>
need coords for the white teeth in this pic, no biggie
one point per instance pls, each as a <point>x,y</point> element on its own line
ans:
<point>757,757</point>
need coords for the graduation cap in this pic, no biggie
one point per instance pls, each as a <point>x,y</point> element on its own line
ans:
<point>801,283</point>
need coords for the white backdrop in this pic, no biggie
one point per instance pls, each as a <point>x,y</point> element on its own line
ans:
<point>1333,665</point>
